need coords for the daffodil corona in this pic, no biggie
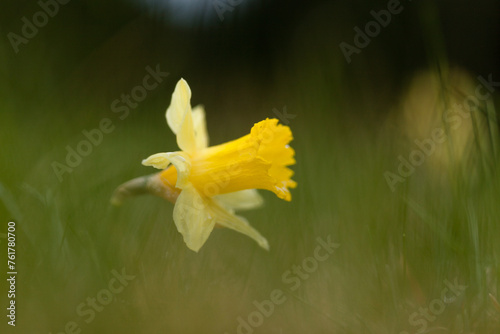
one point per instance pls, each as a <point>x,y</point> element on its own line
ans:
<point>208,184</point>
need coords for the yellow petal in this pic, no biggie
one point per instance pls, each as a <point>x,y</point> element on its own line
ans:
<point>158,160</point>
<point>180,160</point>
<point>236,223</point>
<point>192,218</point>
<point>241,200</point>
<point>185,137</point>
<point>179,117</point>
<point>200,127</point>
<point>179,105</point>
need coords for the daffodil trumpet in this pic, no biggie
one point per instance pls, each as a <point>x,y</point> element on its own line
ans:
<point>208,184</point>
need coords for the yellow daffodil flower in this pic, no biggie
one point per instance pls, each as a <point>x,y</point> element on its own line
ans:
<point>208,184</point>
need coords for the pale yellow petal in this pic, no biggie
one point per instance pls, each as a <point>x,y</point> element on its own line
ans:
<point>180,160</point>
<point>179,117</point>
<point>200,127</point>
<point>241,200</point>
<point>158,160</point>
<point>226,219</point>
<point>185,137</point>
<point>179,105</point>
<point>192,218</point>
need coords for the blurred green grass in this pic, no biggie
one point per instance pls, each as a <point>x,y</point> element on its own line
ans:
<point>396,247</point>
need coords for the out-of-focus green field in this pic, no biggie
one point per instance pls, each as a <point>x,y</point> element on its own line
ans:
<point>398,249</point>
